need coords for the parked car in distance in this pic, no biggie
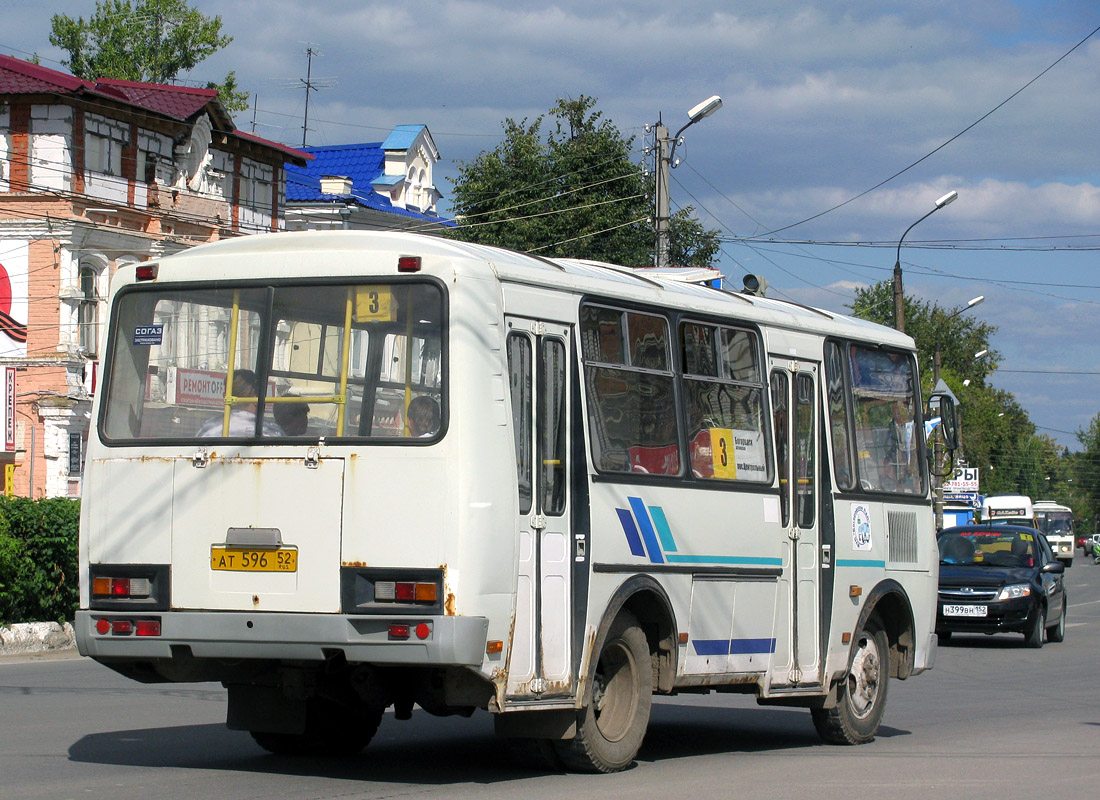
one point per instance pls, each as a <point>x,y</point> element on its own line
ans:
<point>1090,545</point>
<point>1084,541</point>
<point>1000,579</point>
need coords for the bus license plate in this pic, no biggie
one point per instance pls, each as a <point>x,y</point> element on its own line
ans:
<point>966,611</point>
<point>238,559</point>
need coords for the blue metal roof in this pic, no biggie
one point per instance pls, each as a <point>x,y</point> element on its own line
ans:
<point>362,163</point>
<point>402,137</point>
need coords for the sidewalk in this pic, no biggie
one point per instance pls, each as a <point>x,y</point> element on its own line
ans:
<point>36,637</point>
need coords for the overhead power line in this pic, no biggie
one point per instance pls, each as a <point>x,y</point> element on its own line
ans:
<point>973,124</point>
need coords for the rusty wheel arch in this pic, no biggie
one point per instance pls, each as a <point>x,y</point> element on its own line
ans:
<point>889,601</point>
<point>647,600</point>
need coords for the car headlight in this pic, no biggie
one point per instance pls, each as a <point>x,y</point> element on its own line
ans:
<point>1014,591</point>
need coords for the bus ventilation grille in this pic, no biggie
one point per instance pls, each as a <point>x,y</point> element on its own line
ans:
<point>903,536</point>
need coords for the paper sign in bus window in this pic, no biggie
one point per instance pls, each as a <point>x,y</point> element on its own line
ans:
<point>737,453</point>
<point>373,304</point>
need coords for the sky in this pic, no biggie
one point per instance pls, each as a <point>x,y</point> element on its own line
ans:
<point>822,101</point>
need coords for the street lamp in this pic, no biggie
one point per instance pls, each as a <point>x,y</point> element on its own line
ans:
<point>666,148</point>
<point>936,363</point>
<point>899,299</point>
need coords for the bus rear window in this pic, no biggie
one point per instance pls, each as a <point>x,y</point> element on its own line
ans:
<point>280,362</point>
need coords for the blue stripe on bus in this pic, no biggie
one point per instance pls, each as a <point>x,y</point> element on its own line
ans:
<point>663,530</point>
<point>860,562</point>
<point>739,647</point>
<point>760,560</point>
<point>631,531</point>
<point>649,536</point>
<point>735,647</point>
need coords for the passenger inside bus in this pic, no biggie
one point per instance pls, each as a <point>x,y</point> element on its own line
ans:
<point>293,418</point>
<point>423,416</point>
<point>242,418</point>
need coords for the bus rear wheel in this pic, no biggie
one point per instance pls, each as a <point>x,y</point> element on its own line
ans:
<point>331,729</point>
<point>861,697</point>
<point>612,726</point>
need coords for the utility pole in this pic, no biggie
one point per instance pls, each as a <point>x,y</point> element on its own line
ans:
<point>665,149</point>
<point>661,171</point>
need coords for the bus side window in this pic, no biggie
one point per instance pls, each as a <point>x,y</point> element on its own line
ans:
<point>519,381</point>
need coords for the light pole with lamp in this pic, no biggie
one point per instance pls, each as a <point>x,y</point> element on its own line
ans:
<point>899,298</point>
<point>666,147</point>
<point>936,365</point>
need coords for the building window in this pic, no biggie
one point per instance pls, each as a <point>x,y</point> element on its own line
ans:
<point>91,300</point>
<point>103,154</point>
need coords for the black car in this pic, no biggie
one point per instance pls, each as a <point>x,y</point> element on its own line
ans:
<point>1000,579</point>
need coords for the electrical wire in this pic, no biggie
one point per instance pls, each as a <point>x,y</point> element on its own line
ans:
<point>940,146</point>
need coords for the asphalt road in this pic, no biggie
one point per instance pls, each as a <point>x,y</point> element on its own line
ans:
<point>993,720</point>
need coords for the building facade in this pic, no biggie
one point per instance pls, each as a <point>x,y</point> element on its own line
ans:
<point>385,185</point>
<point>95,174</point>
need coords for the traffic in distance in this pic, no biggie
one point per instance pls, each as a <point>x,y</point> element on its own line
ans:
<point>343,471</point>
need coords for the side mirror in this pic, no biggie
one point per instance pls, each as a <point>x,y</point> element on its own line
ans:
<point>949,420</point>
<point>1053,566</point>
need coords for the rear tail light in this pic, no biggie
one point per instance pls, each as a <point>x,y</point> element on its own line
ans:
<point>116,626</point>
<point>119,588</point>
<point>146,272</point>
<point>406,592</point>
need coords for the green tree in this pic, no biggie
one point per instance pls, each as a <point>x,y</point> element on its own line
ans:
<point>1086,474</point>
<point>959,335</point>
<point>144,40</point>
<point>572,191</point>
<point>689,243</point>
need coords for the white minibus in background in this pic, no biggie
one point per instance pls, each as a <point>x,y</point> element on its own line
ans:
<point>1056,523</point>
<point>1008,509</point>
<point>544,488</point>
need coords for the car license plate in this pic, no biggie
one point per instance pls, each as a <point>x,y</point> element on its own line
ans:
<point>240,559</point>
<point>966,611</point>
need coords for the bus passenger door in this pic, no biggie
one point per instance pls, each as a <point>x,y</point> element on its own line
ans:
<point>794,406</point>
<point>540,659</point>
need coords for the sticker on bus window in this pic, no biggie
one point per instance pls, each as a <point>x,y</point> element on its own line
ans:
<point>148,335</point>
<point>373,304</point>
<point>723,454</point>
<point>861,526</point>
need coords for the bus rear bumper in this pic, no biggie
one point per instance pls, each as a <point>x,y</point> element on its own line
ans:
<point>430,641</point>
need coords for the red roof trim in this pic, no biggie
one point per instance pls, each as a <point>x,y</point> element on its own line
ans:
<point>162,87</point>
<point>290,151</point>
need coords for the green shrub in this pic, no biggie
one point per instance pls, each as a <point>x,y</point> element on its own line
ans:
<point>38,559</point>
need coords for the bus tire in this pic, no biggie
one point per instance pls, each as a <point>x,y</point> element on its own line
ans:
<point>1057,632</point>
<point>1037,630</point>
<point>611,727</point>
<point>861,696</point>
<point>331,730</point>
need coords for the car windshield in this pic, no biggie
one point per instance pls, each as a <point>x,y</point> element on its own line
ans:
<point>991,548</point>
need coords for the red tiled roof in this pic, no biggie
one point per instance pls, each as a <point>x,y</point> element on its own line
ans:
<point>23,77</point>
<point>177,102</point>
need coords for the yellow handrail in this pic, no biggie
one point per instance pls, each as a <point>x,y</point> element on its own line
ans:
<point>232,362</point>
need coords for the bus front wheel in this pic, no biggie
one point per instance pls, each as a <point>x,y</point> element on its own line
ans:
<point>612,726</point>
<point>861,696</point>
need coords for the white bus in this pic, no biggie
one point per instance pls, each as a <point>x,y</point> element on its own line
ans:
<point>1056,522</point>
<point>1008,509</point>
<point>544,488</point>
